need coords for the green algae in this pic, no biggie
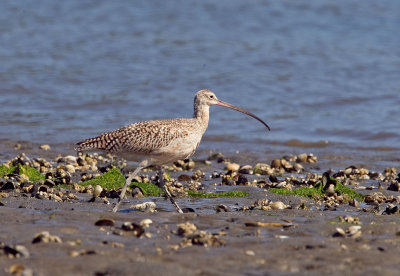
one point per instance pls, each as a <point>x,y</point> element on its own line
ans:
<point>32,174</point>
<point>4,170</point>
<point>318,191</point>
<point>112,179</point>
<point>148,189</point>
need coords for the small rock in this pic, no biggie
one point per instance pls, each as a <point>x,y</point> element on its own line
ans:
<point>137,193</point>
<point>9,185</point>
<point>242,180</point>
<point>184,177</point>
<point>394,186</point>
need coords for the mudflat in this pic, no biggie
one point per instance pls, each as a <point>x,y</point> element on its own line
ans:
<point>262,233</point>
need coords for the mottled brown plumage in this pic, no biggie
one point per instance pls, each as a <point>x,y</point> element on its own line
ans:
<point>159,142</point>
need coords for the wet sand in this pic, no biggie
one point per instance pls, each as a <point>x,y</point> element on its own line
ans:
<point>304,244</point>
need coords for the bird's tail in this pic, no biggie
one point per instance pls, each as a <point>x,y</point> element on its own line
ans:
<point>91,143</point>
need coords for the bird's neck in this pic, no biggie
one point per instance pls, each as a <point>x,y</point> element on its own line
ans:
<point>202,113</point>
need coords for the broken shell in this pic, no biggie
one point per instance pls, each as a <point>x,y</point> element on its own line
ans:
<point>339,232</point>
<point>246,169</point>
<point>45,237</point>
<point>185,229</point>
<point>20,269</point>
<point>137,229</point>
<point>45,147</point>
<point>145,207</point>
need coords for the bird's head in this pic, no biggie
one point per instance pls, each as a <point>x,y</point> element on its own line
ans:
<point>207,97</point>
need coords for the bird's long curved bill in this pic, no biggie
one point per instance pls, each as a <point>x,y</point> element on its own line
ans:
<point>222,103</point>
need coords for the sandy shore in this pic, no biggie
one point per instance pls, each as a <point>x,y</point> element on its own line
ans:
<point>302,240</point>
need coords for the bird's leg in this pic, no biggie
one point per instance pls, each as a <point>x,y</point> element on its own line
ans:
<point>127,182</point>
<point>165,189</point>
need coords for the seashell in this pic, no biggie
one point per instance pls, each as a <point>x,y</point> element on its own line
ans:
<point>276,163</point>
<point>232,167</point>
<point>97,190</point>
<point>146,222</point>
<point>339,232</point>
<point>104,222</point>
<point>45,147</point>
<point>277,205</point>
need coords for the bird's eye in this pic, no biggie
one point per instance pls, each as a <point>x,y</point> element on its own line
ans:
<point>211,96</point>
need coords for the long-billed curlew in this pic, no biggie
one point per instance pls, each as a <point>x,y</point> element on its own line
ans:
<point>159,142</point>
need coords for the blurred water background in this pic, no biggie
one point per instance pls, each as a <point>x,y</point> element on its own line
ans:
<point>320,73</point>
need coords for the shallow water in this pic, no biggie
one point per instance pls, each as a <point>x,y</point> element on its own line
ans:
<point>319,73</point>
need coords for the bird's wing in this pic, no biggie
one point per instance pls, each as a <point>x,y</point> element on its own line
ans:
<point>143,137</point>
